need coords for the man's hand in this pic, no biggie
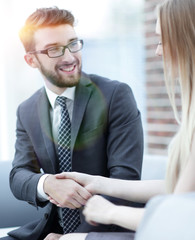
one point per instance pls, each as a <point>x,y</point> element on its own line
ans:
<point>65,192</point>
<point>92,184</point>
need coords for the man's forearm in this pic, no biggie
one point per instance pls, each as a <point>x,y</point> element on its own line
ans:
<point>42,196</point>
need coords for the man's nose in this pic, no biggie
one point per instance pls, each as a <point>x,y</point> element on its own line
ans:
<point>68,56</point>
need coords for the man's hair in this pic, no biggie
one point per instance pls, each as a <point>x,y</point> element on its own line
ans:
<point>43,17</point>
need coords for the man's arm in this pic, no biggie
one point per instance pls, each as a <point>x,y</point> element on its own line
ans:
<point>125,139</point>
<point>25,173</point>
<point>25,176</point>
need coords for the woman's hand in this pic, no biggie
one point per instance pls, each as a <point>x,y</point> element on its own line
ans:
<point>53,236</point>
<point>99,210</point>
<point>92,184</point>
<point>65,192</point>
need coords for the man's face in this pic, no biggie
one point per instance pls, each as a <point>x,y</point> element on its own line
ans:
<point>60,72</point>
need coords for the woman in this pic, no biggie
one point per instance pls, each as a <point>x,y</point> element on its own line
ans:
<point>176,30</point>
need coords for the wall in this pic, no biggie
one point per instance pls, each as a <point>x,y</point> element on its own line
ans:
<point>161,125</point>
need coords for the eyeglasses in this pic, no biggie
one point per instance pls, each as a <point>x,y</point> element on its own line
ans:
<point>58,51</point>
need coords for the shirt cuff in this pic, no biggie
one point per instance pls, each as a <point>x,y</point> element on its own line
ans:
<point>42,196</point>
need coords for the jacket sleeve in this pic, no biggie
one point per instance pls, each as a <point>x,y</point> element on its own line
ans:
<point>124,146</point>
<point>125,137</point>
<point>25,173</point>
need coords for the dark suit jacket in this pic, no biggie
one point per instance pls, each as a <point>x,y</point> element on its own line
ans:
<point>106,139</point>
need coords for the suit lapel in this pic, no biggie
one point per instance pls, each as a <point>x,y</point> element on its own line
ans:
<point>45,122</point>
<point>82,95</point>
<point>83,92</point>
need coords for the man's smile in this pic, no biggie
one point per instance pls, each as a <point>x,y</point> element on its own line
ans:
<point>68,68</point>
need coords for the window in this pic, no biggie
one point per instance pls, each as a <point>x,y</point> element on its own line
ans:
<point>112,32</point>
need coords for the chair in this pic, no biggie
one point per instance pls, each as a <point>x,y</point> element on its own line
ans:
<point>13,212</point>
<point>154,167</point>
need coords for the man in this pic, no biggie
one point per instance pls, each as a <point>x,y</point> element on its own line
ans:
<point>76,122</point>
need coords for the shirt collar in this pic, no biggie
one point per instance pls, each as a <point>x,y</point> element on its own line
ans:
<point>68,93</point>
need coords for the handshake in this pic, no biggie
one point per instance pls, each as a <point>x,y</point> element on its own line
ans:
<point>75,190</point>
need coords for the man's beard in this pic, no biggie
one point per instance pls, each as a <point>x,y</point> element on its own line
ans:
<point>59,81</point>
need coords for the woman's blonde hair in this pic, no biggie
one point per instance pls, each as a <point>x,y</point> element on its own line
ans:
<point>177,22</point>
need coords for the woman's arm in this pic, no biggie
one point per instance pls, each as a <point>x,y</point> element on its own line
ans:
<point>186,182</point>
<point>100,210</point>
<point>136,191</point>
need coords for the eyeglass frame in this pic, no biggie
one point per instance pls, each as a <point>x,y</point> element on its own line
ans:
<point>45,51</point>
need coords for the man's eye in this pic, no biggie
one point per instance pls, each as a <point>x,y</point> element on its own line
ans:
<point>74,44</point>
<point>55,49</point>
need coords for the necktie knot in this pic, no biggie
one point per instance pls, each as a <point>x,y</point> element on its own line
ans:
<point>61,100</point>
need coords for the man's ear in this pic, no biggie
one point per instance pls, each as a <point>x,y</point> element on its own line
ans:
<point>31,60</point>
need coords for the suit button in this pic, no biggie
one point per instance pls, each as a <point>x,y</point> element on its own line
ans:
<point>46,215</point>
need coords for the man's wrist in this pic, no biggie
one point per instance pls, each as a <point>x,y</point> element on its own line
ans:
<point>42,196</point>
<point>48,183</point>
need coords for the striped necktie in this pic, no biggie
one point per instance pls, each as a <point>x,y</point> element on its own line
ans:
<point>70,217</point>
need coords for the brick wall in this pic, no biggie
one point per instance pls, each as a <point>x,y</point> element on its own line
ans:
<point>161,125</point>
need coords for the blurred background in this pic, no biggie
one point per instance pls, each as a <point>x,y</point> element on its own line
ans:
<point>119,43</point>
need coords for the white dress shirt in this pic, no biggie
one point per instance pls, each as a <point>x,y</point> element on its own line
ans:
<point>55,114</point>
